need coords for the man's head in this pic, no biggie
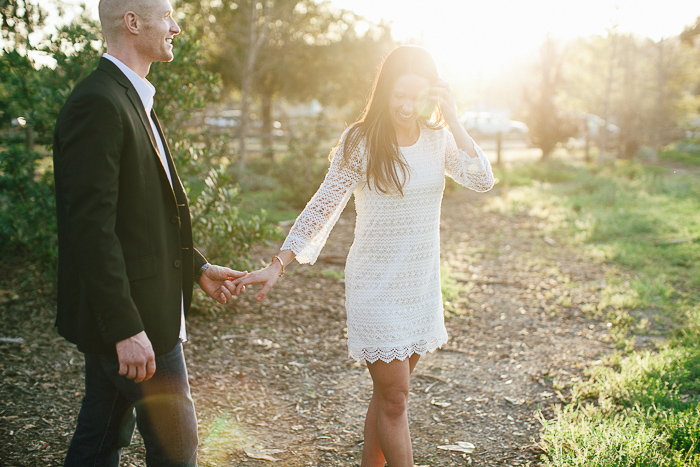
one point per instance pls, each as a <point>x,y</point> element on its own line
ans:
<point>142,29</point>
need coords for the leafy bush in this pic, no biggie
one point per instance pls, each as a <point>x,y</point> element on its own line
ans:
<point>302,169</point>
<point>27,201</point>
<point>220,231</point>
<point>27,208</point>
<point>685,152</point>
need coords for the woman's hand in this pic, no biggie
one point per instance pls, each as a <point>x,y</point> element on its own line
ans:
<point>267,277</point>
<point>441,92</point>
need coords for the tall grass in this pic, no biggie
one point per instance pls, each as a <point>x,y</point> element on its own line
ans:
<point>641,408</point>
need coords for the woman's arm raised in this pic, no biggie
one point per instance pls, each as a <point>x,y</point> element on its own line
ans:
<point>442,94</point>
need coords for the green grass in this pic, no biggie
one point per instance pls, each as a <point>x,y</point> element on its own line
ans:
<point>454,293</point>
<point>276,209</point>
<point>642,408</point>
<point>685,152</point>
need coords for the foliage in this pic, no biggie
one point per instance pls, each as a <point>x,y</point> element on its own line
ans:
<point>548,124</point>
<point>221,231</point>
<point>646,88</point>
<point>685,152</point>
<point>339,62</point>
<point>185,86</point>
<point>19,18</point>
<point>257,47</point>
<point>691,32</point>
<point>646,412</point>
<point>27,204</point>
<point>225,234</point>
<point>27,207</point>
<point>302,169</point>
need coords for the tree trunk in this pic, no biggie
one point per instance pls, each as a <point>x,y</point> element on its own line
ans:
<point>29,138</point>
<point>256,37</point>
<point>603,132</point>
<point>499,147</point>
<point>660,81</point>
<point>246,85</point>
<point>266,136</point>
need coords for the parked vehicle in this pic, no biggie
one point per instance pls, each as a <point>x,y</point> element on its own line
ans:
<point>491,124</point>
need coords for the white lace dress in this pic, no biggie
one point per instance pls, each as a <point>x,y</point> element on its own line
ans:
<point>392,275</point>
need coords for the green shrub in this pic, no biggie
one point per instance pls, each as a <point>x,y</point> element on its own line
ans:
<point>302,169</point>
<point>27,209</point>
<point>685,152</point>
<point>27,201</point>
<point>221,232</point>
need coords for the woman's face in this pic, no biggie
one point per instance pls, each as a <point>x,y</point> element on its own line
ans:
<point>408,100</point>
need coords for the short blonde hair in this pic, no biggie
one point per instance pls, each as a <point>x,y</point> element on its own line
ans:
<point>112,16</point>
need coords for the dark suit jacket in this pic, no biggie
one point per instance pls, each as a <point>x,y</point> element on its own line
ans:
<point>124,235</point>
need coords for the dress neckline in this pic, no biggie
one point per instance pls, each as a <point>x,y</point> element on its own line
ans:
<point>415,143</point>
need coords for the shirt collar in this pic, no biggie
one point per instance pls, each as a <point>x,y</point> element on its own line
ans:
<point>143,87</point>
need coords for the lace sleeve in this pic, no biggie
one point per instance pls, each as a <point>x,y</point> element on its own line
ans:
<point>311,229</point>
<point>471,172</point>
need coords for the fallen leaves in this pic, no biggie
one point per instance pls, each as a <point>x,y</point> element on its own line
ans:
<point>277,372</point>
<point>459,446</point>
<point>257,452</point>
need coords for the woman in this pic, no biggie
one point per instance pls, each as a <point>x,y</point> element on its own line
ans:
<point>394,160</point>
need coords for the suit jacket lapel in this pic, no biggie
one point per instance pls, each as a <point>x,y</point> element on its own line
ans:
<point>136,101</point>
<point>133,96</point>
<point>178,189</point>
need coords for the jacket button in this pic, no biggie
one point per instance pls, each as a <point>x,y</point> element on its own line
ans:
<point>177,263</point>
<point>175,220</point>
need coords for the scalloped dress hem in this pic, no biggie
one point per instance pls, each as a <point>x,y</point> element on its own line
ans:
<point>387,355</point>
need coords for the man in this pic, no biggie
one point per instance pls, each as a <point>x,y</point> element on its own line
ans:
<point>126,258</point>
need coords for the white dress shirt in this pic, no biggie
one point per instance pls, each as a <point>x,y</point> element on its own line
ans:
<point>146,92</point>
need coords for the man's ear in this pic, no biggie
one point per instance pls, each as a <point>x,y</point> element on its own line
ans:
<point>132,22</point>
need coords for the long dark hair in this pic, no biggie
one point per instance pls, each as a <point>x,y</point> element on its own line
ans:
<point>374,128</point>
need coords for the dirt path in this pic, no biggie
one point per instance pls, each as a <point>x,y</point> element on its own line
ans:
<point>273,379</point>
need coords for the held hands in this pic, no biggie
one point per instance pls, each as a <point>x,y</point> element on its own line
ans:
<point>267,277</point>
<point>136,358</point>
<point>217,283</point>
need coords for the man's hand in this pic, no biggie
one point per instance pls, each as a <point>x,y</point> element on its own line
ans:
<point>215,279</point>
<point>136,358</point>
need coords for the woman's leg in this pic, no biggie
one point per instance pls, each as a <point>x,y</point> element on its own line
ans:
<point>387,436</point>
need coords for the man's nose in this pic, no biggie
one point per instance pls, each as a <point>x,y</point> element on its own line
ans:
<point>174,28</point>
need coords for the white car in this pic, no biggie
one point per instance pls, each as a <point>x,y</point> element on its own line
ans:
<point>490,124</point>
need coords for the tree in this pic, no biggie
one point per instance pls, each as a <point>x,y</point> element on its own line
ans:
<point>548,124</point>
<point>27,207</point>
<point>19,19</point>
<point>691,32</point>
<point>646,88</point>
<point>292,49</point>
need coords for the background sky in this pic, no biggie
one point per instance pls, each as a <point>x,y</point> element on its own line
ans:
<point>467,35</point>
<point>489,33</point>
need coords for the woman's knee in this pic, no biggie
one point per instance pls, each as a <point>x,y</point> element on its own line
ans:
<point>393,400</point>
